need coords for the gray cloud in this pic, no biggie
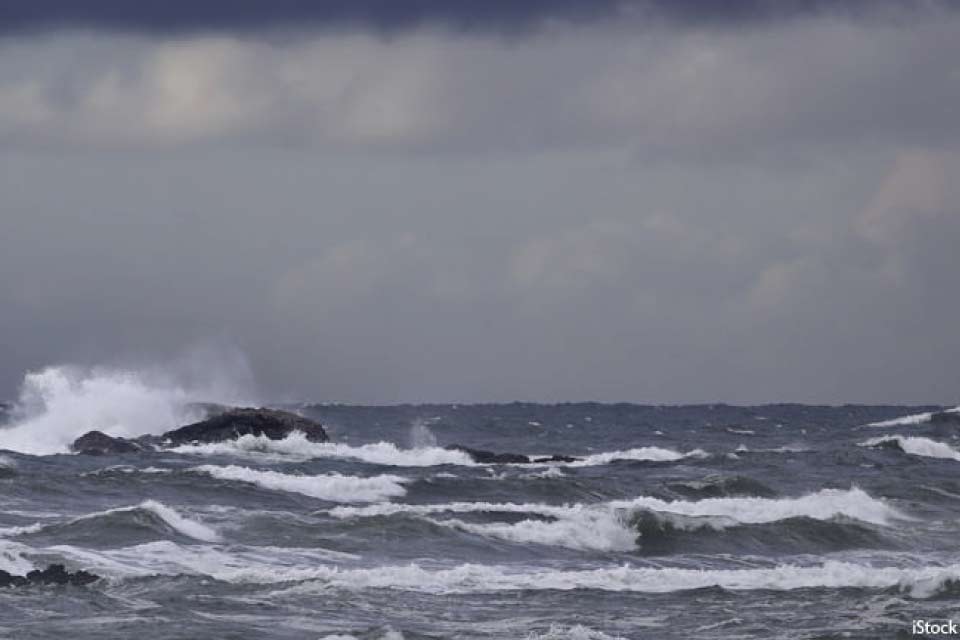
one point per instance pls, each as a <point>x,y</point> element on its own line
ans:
<point>671,94</point>
<point>677,214</point>
<point>179,16</point>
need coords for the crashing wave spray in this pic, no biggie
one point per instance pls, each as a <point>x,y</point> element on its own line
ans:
<point>59,403</point>
<point>421,437</point>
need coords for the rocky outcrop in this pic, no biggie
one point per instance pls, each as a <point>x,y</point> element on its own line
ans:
<point>55,574</point>
<point>97,443</point>
<point>232,424</point>
<point>489,457</point>
<point>946,417</point>
<point>229,424</point>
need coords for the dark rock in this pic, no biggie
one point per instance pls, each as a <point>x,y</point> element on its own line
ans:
<point>489,457</point>
<point>232,424</point>
<point>97,443</point>
<point>946,417</point>
<point>10,580</point>
<point>889,443</point>
<point>53,574</point>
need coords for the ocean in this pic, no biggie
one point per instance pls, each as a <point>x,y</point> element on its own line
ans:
<point>707,521</point>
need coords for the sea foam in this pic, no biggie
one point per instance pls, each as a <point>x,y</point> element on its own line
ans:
<point>297,447</point>
<point>59,403</point>
<point>606,526</point>
<point>331,486</point>
<point>260,565</point>
<point>917,446</point>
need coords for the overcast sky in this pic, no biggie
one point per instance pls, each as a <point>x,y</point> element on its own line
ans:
<point>461,201</point>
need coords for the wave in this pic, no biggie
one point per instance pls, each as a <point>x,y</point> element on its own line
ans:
<point>389,634</point>
<point>177,522</point>
<point>575,632</point>
<point>149,514</point>
<point>719,487</point>
<point>790,448</point>
<point>59,403</point>
<point>916,446</point>
<point>920,582</point>
<point>589,530</point>
<point>273,565</point>
<point>621,525</point>
<point>913,419</point>
<point>297,447</point>
<point>13,532</point>
<point>645,454</point>
<point>333,487</point>
<point>233,563</point>
<point>666,534</point>
<point>13,557</point>
<point>276,566</point>
<point>822,505</point>
<point>8,467</point>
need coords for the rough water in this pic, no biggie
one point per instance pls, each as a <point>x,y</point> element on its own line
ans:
<point>780,521</point>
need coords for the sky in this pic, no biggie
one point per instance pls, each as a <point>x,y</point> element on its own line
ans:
<point>378,201</point>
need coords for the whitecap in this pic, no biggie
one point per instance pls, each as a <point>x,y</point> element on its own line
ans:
<point>606,526</point>
<point>912,419</point>
<point>575,632</point>
<point>331,486</point>
<point>297,447</point>
<point>59,403</point>
<point>917,446</point>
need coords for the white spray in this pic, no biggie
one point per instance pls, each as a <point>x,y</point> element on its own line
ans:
<point>59,403</point>
<point>421,437</point>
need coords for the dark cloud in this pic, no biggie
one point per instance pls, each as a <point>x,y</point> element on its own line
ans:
<point>389,15</point>
<point>667,214</point>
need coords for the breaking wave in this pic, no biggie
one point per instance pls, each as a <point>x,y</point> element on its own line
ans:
<point>59,403</point>
<point>575,632</point>
<point>297,447</point>
<point>916,418</point>
<point>149,514</point>
<point>333,487</point>
<point>916,446</point>
<point>263,565</point>
<point>616,525</point>
<point>646,454</point>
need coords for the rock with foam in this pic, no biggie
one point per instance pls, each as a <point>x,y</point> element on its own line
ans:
<point>55,574</point>
<point>228,425</point>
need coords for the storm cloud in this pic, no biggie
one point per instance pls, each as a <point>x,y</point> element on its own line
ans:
<point>598,207</point>
<point>178,16</point>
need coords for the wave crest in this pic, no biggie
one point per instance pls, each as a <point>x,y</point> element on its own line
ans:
<point>332,487</point>
<point>916,446</point>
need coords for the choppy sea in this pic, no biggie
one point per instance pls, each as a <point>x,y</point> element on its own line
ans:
<point>712,521</point>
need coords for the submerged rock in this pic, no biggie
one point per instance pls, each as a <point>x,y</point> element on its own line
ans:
<point>893,444</point>
<point>232,424</point>
<point>946,417</point>
<point>490,457</point>
<point>97,443</point>
<point>53,574</point>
